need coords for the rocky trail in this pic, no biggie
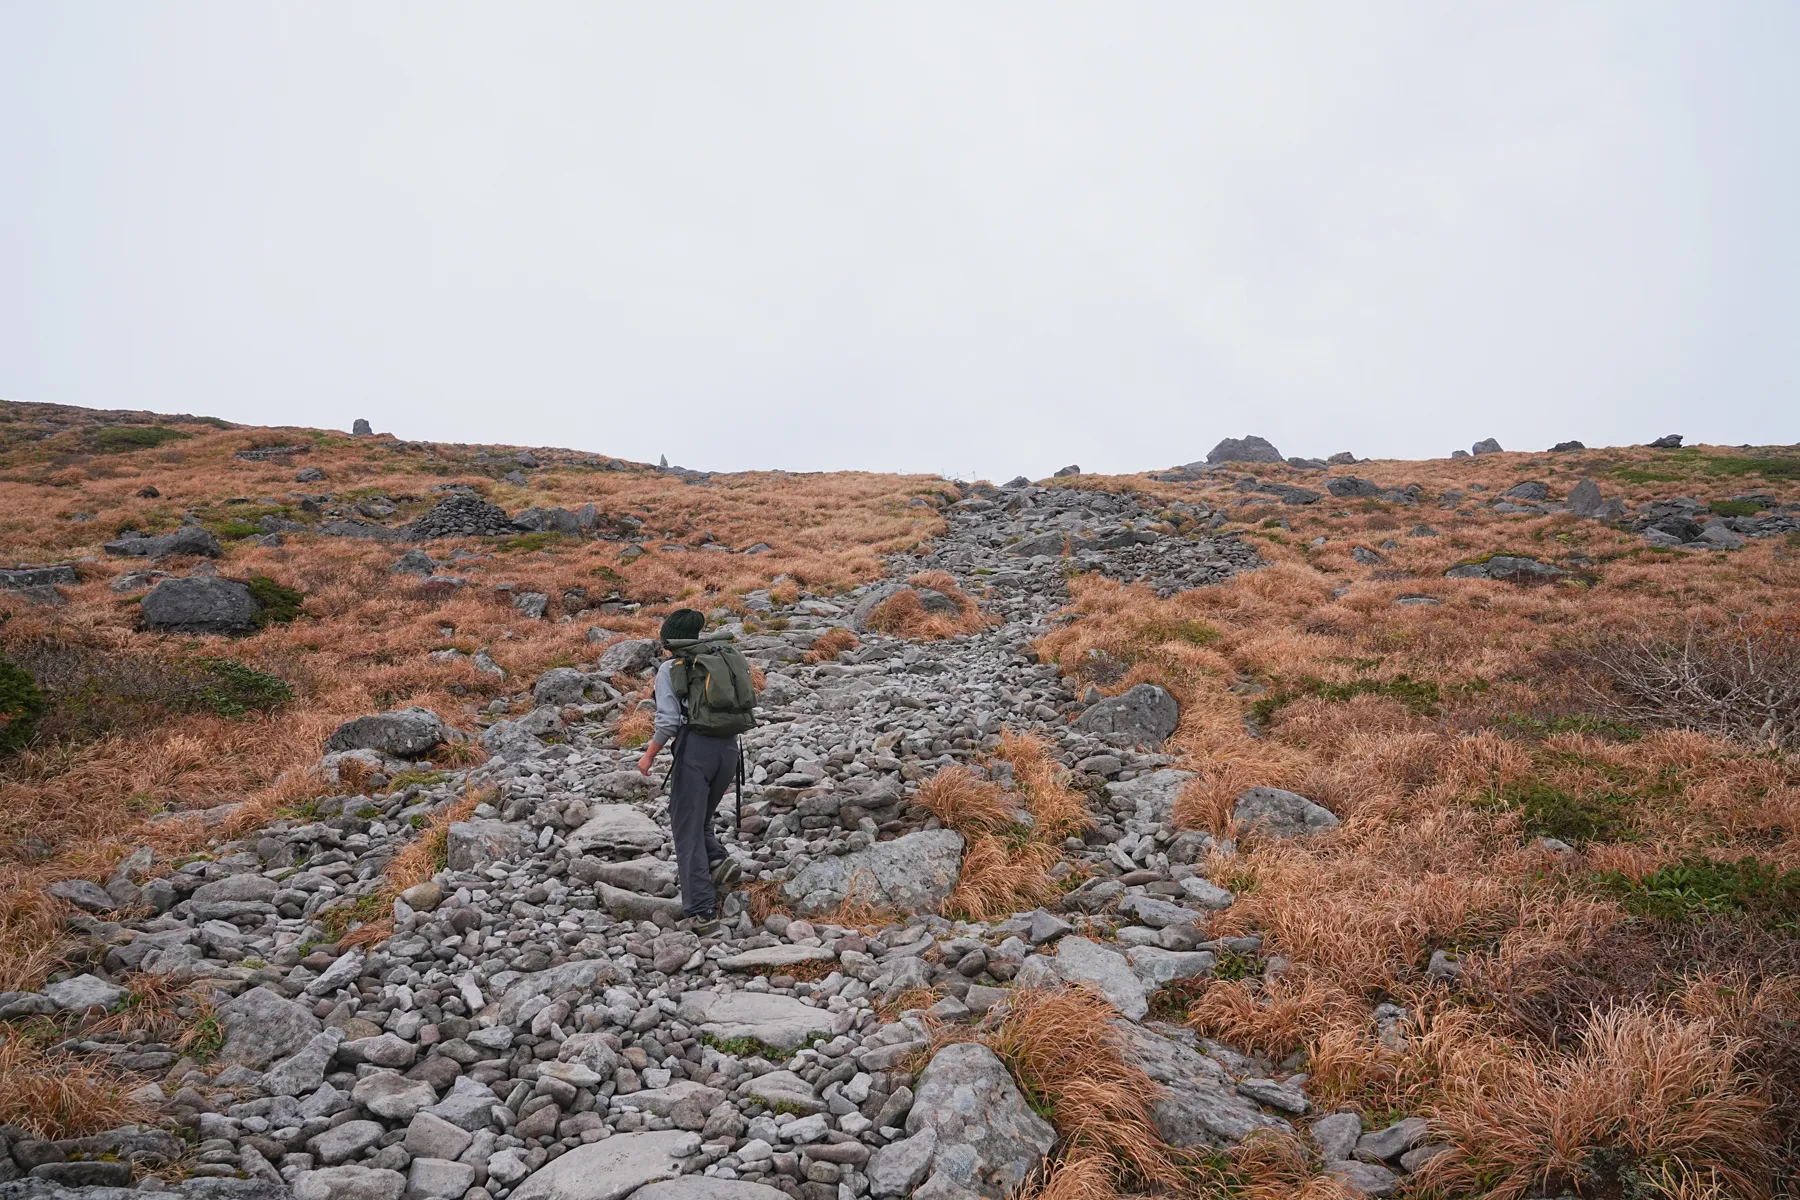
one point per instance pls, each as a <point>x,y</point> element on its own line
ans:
<point>535,1028</point>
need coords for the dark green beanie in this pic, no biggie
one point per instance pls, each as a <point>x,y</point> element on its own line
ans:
<point>684,624</point>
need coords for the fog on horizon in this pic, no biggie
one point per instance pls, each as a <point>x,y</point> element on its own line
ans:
<point>980,241</point>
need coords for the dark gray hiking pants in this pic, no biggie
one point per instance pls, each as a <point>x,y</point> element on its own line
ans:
<point>705,768</point>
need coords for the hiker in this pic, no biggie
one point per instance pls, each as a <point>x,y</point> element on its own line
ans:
<point>704,699</point>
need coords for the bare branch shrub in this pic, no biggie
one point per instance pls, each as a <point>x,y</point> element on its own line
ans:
<point>1738,677</point>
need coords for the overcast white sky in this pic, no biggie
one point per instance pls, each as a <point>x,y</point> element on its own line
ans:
<point>975,239</point>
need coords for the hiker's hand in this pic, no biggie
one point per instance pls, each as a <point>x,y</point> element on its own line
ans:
<point>644,762</point>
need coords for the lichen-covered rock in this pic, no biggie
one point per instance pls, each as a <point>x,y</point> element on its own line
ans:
<point>199,604</point>
<point>1143,715</point>
<point>915,873</point>
<point>403,733</point>
<point>988,1139</point>
<point>261,1026</point>
<point>1275,812</point>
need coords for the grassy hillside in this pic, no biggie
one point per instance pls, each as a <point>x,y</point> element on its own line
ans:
<point>1570,799</point>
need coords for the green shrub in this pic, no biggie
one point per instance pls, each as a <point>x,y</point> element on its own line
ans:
<point>1550,812</point>
<point>21,704</point>
<point>1768,468</point>
<point>90,692</point>
<point>1420,695</point>
<point>1735,508</point>
<point>122,439</point>
<point>234,689</point>
<point>275,604</point>
<point>1698,887</point>
<point>1194,633</point>
<point>1531,726</point>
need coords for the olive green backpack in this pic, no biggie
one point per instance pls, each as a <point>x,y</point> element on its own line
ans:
<point>712,680</point>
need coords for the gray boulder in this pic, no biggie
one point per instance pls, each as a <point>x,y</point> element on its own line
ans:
<point>402,733</point>
<point>349,1182</point>
<point>83,993</point>
<point>1274,812</point>
<point>630,657</point>
<point>550,520</point>
<point>36,577</point>
<point>559,685</point>
<point>413,562</point>
<point>199,604</point>
<point>189,539</point>
<point>361,428</point>
<point>612,828</point>
<point>1080,961</point>
<point>1346,486</point>
<point>478,845</point>
<point>261,1026</point>
<point>1585,499</point>
<point>988,1139</point>
<point>1508,568</point>
<point>1530,491</point>
<point>1668,441</point>
<point>1153,795</point>
<point>1145,714</point>
<point>779,1021</point>
<point>1486,446</point>
<point>912,874</point>
<point>83,893</point>
<point>1561,447</point>
<point>1251,449</point>
<point>705,1187</point>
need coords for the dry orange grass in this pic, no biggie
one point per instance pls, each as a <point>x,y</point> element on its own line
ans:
<point>362,643</point>
<point>828,645</point>
<point>1057,809</point>
<point>56,1096</point>
<point>1006,865</point>
<point>966,803</point>
<point>1665,1089</point>
<point>999,878</point>
<point>1431,855</point>
<point>904,613</point>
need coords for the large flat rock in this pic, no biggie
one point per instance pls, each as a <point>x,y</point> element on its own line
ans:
<point>611,1169</point>
<point>912,874</point>
<point>988,1139</point>
<point>781,1022</point>
<point>776,956</point>
<point>615,828</point>
<point>1201,1105</point>
<point>1081,961</point>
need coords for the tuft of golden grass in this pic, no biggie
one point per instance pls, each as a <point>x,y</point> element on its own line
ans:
<point>1667,1089</point>
<point>903,614</point>
<point>966,803</point>
<point>828,645</point>
<point>59,1096</point>
<point>1058,810</point>
<point>999,879</point>
<point>635,727</point>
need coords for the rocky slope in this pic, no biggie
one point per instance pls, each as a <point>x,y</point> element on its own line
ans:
<point>534,1027</point>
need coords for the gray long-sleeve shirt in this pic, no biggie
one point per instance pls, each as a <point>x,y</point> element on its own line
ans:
<point>669,716</point>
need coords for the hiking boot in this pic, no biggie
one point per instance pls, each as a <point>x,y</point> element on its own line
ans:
<point>703,924</point>
<point>726,872</point>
